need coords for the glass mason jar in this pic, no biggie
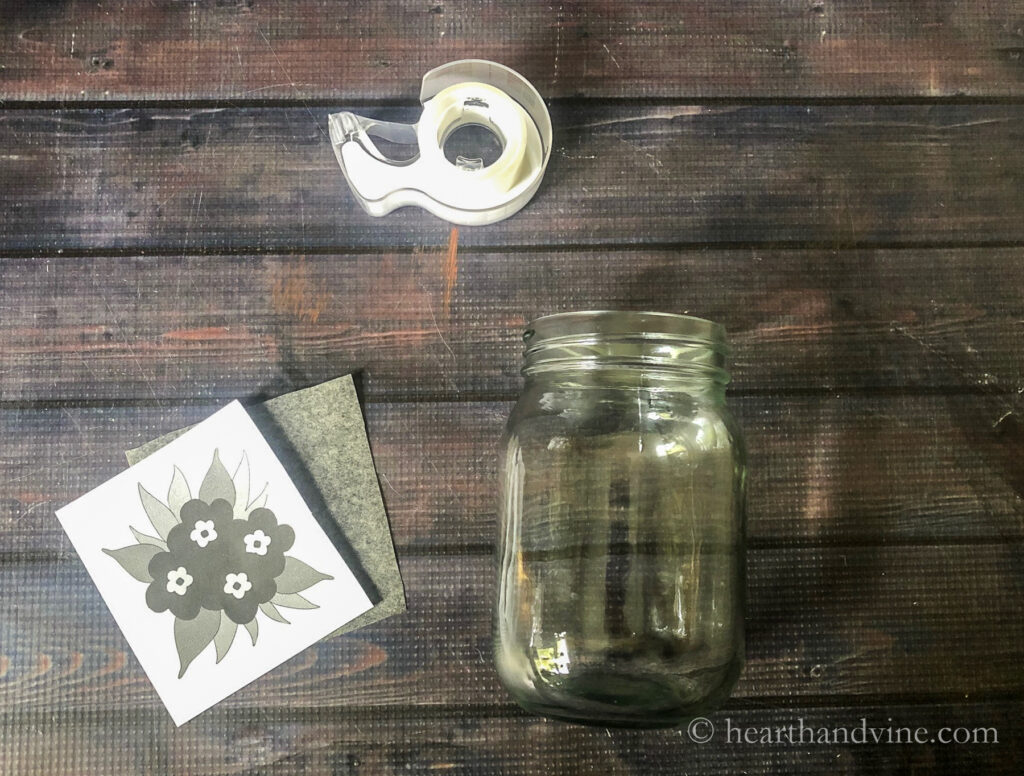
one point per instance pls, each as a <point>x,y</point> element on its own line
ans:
<point>621,566</point>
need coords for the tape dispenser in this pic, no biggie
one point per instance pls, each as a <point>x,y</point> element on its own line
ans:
<point>463,191</point>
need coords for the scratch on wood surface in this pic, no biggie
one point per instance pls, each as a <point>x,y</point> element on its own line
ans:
<point>440,334</point>
<point>1003,417</point>
<point>87,366</point>
<point>126,339</point>
<point>33,508</point>
<point>258,89</point>
<point>78,426</point>
<point>654,115</point>
<point>558,45</point>
<point>290,80</point>
<point>451,270</point>
<point>384,477</point>
<point>979,123</point>
<point>610,54</point>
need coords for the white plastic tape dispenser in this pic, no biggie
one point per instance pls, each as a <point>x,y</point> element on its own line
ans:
<point>463,191</point>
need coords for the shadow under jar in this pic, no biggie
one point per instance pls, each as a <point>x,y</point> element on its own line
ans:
<point>621,562</point>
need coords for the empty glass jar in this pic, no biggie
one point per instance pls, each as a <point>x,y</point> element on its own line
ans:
<point>621,583</point>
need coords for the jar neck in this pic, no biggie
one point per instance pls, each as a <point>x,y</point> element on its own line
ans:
<point>653,351</point>
<point>631,379</point>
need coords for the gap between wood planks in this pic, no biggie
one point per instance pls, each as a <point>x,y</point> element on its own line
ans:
<point>831,246</point>
<point>483,397</point>
<point>60,103</point>
<point>504,709</point>
<point>757,545</point>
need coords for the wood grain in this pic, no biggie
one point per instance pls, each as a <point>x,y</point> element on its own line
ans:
<point>928,623</point>
<point>184,236</point>
<point>823,469</point>
<point>184,180</point>
<point>139,327</point>
<point>502,741</point>
<point>240,49</point>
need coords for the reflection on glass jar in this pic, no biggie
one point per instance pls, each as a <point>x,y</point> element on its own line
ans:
<point>621,585</point>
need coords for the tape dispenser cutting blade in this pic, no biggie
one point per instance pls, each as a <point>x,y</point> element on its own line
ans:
<point>469,92</point>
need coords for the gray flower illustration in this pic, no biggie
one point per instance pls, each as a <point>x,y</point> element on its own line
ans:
<point>217,561</point>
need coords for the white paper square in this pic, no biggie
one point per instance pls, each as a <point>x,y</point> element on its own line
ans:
<point>104,518</point>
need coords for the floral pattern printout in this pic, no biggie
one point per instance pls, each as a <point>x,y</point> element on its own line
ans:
<point>215,553</point>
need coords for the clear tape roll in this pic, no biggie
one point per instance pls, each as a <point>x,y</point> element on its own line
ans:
<point>469,91</point>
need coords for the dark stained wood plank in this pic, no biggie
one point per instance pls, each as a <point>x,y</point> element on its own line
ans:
<point>185,181</point>
<point>113,328</point>
<point>234,741</point>
<point>217,49</point>
<point>823,469</point>
<point>929,623</point>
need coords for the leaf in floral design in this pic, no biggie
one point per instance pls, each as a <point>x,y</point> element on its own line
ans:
<point>225,636</point>
<point>298,576</point>
<point>142,538</point>
<point>292,601</point>
<point>259,502</point>
<point>160,515</point>
<point>193,636</point>
<point>217,483</point>
<point>241,483</point>
<point>254,629</point>
<point>135,559</point>
<point>271,611</point>
<point>179,492</point>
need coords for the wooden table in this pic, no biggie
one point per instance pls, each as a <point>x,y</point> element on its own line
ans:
<point>840,182</point>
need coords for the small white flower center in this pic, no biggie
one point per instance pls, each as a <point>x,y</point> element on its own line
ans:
<point>203,532</point>
<point>237,584</point>
<point>178,581</point>
<point>257,542</point>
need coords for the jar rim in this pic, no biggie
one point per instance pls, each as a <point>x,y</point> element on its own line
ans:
<point>613,322</point>
<point>677,346</point>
